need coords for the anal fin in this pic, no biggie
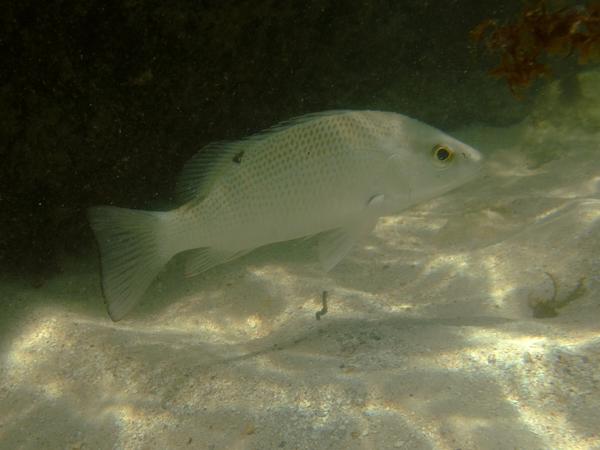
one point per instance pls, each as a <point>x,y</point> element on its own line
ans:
<point>201,259</point>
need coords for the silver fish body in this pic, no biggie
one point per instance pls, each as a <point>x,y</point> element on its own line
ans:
<point>330,174</point>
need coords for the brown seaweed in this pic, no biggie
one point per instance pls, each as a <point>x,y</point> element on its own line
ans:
<point>525,45</point>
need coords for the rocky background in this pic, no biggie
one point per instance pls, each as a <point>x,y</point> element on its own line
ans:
<point>101,102</point>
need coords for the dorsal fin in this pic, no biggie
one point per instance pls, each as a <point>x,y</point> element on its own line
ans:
<point>200,172</point>
<point>295,121</point>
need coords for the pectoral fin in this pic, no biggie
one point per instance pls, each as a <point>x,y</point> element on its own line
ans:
<point>337,243</point>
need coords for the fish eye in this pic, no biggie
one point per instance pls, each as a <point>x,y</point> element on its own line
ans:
<point>442,153</point>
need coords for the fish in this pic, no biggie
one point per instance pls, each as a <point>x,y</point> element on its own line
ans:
<point>329,175</point>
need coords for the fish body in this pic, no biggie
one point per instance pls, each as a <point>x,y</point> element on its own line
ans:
<point>331,174</point>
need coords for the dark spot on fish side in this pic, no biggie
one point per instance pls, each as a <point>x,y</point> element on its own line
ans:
<point>238,157</point>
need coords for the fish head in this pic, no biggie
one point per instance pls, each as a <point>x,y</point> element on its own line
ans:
<point>428,162</point>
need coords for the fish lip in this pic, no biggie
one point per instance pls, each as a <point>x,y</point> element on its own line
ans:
<point>476,156</point>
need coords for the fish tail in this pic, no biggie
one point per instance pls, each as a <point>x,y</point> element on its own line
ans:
<point>132,252</point>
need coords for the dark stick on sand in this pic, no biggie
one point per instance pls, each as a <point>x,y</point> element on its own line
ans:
<point>324,309</point>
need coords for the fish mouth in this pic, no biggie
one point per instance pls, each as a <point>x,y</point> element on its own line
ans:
<point>476,157</point>
<point>471,154</point>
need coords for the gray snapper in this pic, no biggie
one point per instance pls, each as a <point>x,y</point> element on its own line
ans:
<point>329,174</point>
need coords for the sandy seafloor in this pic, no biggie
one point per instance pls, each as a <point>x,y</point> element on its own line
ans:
<point>430,340</point>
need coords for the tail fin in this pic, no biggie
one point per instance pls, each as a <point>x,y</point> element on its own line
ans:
<point>130,253</point>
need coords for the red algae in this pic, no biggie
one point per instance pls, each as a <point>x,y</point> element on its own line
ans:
<point>537,33</point>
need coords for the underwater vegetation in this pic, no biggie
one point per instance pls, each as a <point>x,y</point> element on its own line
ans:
<point>539,32</point>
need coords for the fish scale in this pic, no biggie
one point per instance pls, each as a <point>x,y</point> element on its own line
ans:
<point>292,178</point>
<point>330,174</point>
